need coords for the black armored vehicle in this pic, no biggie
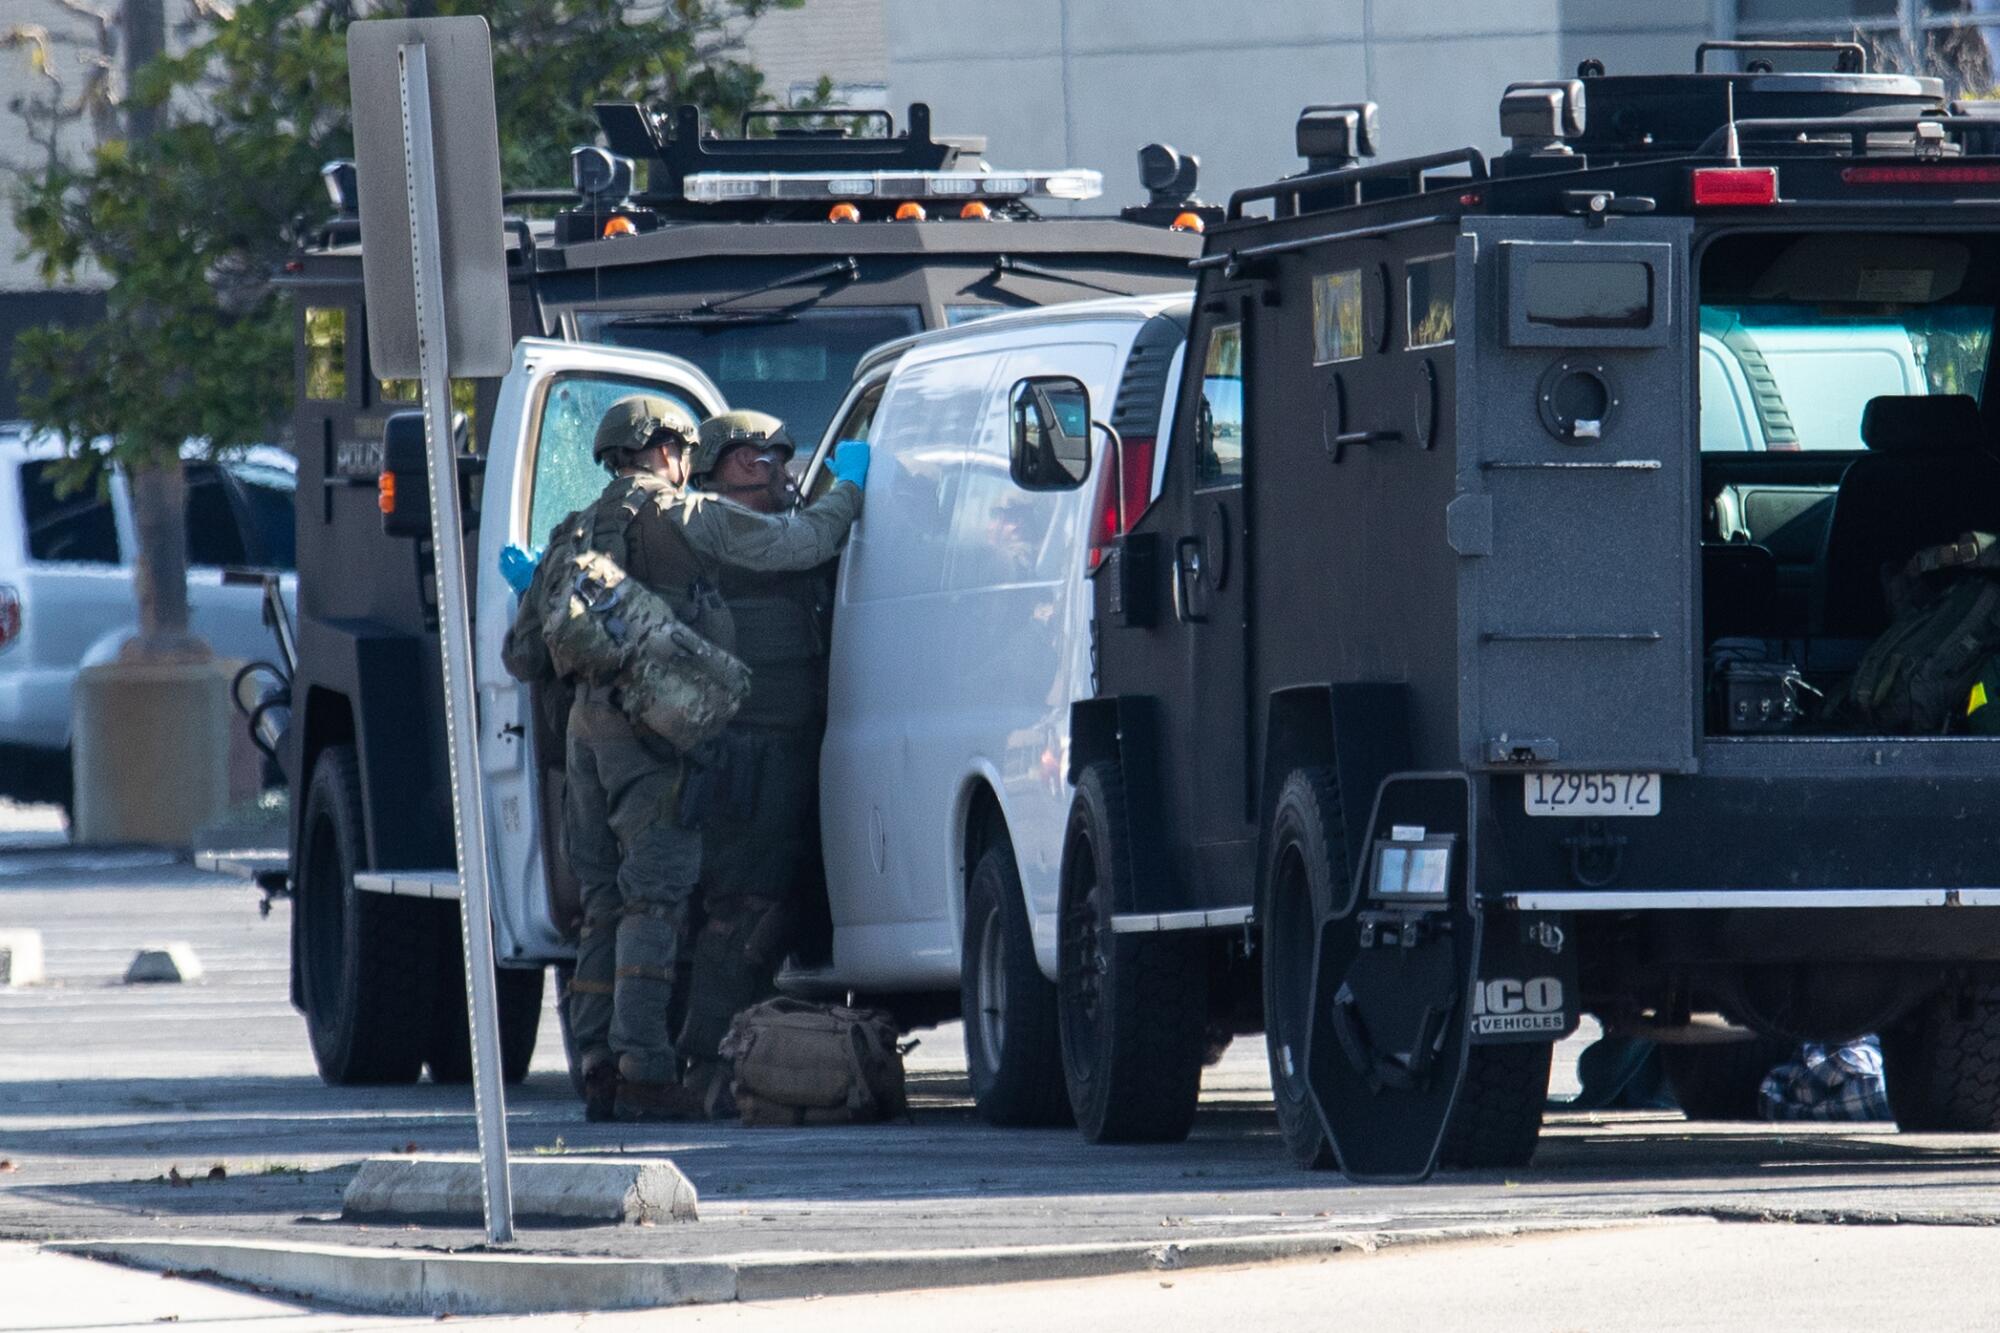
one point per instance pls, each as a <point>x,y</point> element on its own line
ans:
<point>1510,639</point>
<point>768,263</point>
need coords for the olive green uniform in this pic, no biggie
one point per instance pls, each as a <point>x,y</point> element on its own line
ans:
<point>637,863</point>
<point>755,840</point>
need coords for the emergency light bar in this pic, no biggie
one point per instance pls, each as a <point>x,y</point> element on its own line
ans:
<point>720,187</point>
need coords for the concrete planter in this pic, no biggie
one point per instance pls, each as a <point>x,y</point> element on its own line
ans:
<point>152,747</point>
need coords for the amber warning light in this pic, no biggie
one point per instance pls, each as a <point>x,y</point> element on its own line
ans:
<point>385,492</point>
<point>1735,187</point>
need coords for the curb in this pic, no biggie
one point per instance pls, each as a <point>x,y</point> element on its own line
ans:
<point>384,1281</point>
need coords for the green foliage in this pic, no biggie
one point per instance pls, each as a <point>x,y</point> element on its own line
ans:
<point>190,225</point>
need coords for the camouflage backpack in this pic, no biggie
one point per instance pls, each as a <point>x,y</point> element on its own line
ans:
<point>1916,678</point>
<point>592,622</point>
<point>795,1062</point>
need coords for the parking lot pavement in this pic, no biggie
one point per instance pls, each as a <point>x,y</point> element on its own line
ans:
<point>117,1102</point>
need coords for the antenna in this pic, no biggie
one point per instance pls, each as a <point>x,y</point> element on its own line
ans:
<point>1732,149</point>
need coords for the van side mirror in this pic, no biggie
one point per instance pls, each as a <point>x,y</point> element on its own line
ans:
<point>1050,416</point>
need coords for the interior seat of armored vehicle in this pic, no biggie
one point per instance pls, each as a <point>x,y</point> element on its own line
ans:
<point>1843,431</point>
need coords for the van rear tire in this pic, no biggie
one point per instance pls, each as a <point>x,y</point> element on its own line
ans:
<point>1942,1064</point>
<point>1012,1047</point>
<point>1722,1081</point>
<point>1132,1008</point>
<point>364,958</point>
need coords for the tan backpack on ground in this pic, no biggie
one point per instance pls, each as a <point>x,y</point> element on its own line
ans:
<point>800,1063</point>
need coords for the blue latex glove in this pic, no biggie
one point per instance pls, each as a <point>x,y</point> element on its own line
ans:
<point>518,566</point>
<point>850,462</point>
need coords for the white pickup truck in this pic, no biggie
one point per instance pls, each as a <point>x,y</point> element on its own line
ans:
<point>66,597</point>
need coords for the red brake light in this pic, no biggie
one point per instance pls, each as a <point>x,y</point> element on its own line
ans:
<point>1921,175</point>
<point>1735,187</point>
<point>10,615</point>
<point>1136,484</point>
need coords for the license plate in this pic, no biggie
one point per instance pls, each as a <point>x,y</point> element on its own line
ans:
<point>1593,793</point>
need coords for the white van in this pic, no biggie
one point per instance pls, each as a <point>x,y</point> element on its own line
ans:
<point>961,635</point>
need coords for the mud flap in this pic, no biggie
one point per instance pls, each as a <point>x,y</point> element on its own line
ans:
<point>1527,979</point>
<point>1393,984</point>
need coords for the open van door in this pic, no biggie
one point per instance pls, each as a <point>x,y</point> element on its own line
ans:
<point>539,470</point>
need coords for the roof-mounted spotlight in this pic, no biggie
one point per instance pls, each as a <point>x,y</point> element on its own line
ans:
<point>1538,118</point>
<point>1336,136</point>
<point>1168,174</point>
<point>343,187</point>
<point>600,176</point>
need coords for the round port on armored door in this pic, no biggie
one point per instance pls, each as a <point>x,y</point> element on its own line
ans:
<point>1577,397</point>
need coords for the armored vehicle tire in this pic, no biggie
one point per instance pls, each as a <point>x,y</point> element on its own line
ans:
<point>1942,1064</point>
<point>1497,1119</point>
<point>1721,1082</point>
<point>1011,1046</point>
<point>448,1051</point>
<point>364,957</point>
<point>1131,1008</point>
<point>1306,875</point>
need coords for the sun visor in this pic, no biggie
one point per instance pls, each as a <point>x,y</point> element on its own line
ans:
<point>1872,268</point>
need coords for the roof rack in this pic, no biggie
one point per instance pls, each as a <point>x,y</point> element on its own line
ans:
<point>1286,194</point>
<point>1849,57</point>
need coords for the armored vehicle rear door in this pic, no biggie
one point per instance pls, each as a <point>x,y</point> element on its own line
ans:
<point>1572,521</point>
<point>539,469</point>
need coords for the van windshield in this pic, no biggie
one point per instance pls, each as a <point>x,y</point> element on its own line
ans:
<point>795,364</point>
<point>1797,376</point>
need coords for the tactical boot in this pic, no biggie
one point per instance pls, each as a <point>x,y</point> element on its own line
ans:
<point>600,1093</point>
<point>658,1101</point>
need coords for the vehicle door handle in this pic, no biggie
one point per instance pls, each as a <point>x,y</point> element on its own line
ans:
<point>513,729</point>
<point>1187,565</point>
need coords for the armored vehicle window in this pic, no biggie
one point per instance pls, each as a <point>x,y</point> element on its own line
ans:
<point>464,397</point>
<point>566,477</point>
<point>1591,294</point>
<point>1799,333</point>
<point>76,529</point>
<point>1432,294</point>
<point>1337,316</point>
<point>1219,430</point>
<point>326,353</point>
<point>794,364</point>
<point>955,315</point>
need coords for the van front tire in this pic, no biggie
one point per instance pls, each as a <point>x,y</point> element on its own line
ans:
<point>517,990</point>
<point>1011,1041</point>
<point>1132,1008</point>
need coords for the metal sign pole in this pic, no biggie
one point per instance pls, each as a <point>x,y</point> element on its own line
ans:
<point>455,639</point>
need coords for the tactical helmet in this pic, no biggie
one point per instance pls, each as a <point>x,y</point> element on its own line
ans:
<point>630,424</point>
<point>720,434</point>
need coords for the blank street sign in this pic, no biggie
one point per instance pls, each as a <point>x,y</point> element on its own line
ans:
<point>478,330</point>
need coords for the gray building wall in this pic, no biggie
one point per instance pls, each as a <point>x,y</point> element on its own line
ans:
<point>1086,82</point>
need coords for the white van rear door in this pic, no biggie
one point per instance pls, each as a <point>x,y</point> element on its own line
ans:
<point>539,469</point>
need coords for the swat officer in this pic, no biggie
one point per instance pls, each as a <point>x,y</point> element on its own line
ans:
<point>759,820</point>
<point>636,858</point>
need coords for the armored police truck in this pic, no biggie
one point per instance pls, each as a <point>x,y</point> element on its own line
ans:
<point>1565,595</point>
<point>767,263</point>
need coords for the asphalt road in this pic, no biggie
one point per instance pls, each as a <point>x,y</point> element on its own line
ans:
<point>107,1092</point>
